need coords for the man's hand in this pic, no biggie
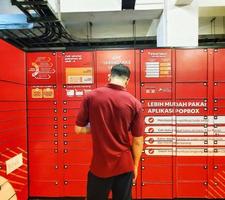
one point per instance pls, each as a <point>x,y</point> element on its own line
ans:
<point>82,130</point>
<point>137,147</point>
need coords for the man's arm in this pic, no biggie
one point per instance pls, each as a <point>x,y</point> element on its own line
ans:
<point>137,147</point>
<point>82,130</point>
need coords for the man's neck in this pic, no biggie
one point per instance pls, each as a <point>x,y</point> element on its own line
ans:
<point>117,82</point>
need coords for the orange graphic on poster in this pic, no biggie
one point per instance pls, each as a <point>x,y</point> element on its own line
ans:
<point>36,93</point>
<point>48,93</point>
<point>79,75</point>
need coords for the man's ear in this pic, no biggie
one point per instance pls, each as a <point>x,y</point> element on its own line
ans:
<point>127,81</point>
<point>109,77</point>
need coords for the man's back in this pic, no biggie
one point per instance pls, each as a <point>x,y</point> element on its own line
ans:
<point>112,112</point>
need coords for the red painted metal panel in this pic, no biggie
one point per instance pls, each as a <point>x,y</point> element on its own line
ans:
<point>219,89</point>
<point>12,63</point>
<point>42,129</point>
<point>75,188</point>
<point>45,156</point>
<point>156,91</point>
<point>156,65</point>
<point>45,188</point>
<point>43,136</point>
<point>107,59</point>
<point>83,155</point>
<point>75,171</point>
<point>157,173</point>
<point>156,190</point>
<point>43,171</point>
<point>192,90</point>
<point>42,112</point>
<point>219,62</point>
<point>12,91</point>
<point>191,65</point>
<point>41,68</point>
<point>42,120</point>
<point>196,189</point>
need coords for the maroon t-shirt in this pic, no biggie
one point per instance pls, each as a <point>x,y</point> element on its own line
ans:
<point>112,113</point>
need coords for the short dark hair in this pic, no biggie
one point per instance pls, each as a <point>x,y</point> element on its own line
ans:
<point>120,70</point>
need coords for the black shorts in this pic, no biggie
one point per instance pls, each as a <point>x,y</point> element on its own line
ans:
<point>99,188</point>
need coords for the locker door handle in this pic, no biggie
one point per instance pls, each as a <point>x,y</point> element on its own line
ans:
<point>55,126</point>
<point>65,126</point>
<point>205,167</point>
<point>206,142</point>
<point>205,150</point>
<point>215,142</point>
<point>142,159</point>
<point>66,182</point>
<point>64,118</point>
<point>215,117</point>
<point>55,134</point>
<point>215,109</point>
<point>65,142</point>
<point>215,83</point>
<point>65,134</point>
<point>55,150</point>
<point>65,166</point>
<point>56,183</point>
<point>64,102</point>
<point>215,100</point>
<point>215,183</point>
<point>55,142</point>
<point>134,184</point>
<point>205,83</point>
<point>215,150</point>
<point>205,183</point>
<point>142,184</point>
<point>55,119</point>
<point>54,102</point>
<point>216,167</point>
<point>56,167</point>
<point>143,168</point>
<point>55,110</point>
<point>65,150</point>
<point>64,110</point>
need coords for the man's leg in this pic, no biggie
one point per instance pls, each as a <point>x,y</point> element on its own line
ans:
<point>122,186</point>
<point>98,188</point>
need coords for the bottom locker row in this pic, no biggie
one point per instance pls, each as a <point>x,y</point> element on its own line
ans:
<point>64,173</point>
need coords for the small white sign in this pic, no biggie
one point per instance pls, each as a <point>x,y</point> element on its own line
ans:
<point>14,163</point>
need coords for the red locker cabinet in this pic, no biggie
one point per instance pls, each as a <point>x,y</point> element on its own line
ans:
<point>158,110</point>
<point>78,70</point>
<point>43,126</point>
<point>13,137</point>
<point>191,170</point>
<point>216,185</point>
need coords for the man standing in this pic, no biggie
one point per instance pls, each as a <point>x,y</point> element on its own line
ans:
<point>112,112</point>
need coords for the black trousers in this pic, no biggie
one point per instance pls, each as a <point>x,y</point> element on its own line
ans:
<point>99,188</point>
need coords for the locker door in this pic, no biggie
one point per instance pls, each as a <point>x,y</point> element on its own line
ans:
<point>78,78</point>
<point>191,113</point>
<point>158,110</point>
<point>217,178</point>
<point>106,59</point>
<point>43,126</point>
<point>41,68</point>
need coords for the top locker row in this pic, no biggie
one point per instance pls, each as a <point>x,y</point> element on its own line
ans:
<point>156,65</point>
